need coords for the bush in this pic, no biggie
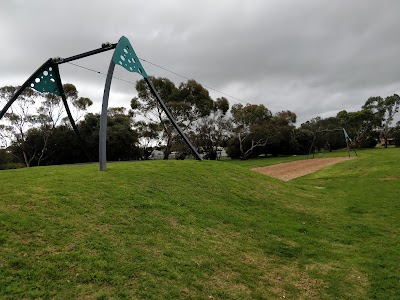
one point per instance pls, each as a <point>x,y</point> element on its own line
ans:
<point>369,142</point>
<point>396,136</point>
<point>12,165</point>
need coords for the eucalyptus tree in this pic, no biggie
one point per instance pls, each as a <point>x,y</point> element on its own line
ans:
<point>79,104</point>
<point>252,128</point>
<point>148,133</point>
<point>384,110</point>
<point>147,106</point>
<point>212,131</point>
<point>33,117</point>
<point>19,118</point>
<point>360,125</point>
<point>283,135</point>
<point>188,103</point>
<point>396,134</point>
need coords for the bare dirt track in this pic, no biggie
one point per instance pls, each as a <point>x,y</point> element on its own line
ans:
<point>294,169</point>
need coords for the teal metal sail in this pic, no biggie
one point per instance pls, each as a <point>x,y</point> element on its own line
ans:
<point>125,56</point>
<point>44,81</point>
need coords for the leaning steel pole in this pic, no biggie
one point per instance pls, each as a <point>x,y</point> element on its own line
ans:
<point>171,118</point>
<point>346,137</point>
<point>21,89</point>
<point>349,142</point>
<point>68,111</point>
<point>312,145</point>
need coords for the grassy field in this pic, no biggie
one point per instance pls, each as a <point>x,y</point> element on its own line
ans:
<point>201,230</point>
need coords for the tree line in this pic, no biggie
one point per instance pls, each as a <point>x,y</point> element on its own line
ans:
<point>36,132</point>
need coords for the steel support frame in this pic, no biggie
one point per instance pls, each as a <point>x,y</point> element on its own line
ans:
<point>346,137</point>
<point>171,118</point>
<point>54,64</point>
<point>103,119</point>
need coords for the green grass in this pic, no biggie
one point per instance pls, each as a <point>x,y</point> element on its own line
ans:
<point>201,230</point>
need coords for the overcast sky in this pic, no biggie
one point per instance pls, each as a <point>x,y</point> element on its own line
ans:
<point>312,57</point>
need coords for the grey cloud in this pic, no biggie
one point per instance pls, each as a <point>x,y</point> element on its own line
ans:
<point>313,57</point>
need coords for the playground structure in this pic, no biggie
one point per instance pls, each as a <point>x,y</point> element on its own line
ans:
<point>346,137</point>
<point>47,79</point>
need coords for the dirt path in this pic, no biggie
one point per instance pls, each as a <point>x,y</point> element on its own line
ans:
<point>294,169</point>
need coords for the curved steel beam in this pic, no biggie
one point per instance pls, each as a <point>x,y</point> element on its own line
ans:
<point>22,87</point>
<point>103,119</point>
<point>125,56</point>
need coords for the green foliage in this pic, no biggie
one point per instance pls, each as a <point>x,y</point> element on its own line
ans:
<point>5,157</point>
<point>6,161</point>
<point>258,132</point>
<point>251,130</point>
<point>11,165</point>
<point>63,147</point>
<point>121,138</point>
<point>189,104</point>
<point>384,111</point>
<point>70,92</point>
<point>30,127</point>
<point>247,132</point>
<point>147,106</point>
<point>250,114</point>
<point>82,103</point>
<point>212,132</point>
<point>222,105</point>
<point>396,134</point>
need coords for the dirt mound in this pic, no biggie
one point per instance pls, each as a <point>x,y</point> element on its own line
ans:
<point>294,169</point>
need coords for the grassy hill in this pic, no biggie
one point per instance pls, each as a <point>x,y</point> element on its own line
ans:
<point>201,230</point>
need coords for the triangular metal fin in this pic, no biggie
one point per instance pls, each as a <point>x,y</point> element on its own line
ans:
<point>125,56</point>
<point>45,81</point>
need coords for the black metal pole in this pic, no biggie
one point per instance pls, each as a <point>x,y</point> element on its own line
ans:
<point>21,89</point>
<point>312,145</point>
<point>52,62</point>
<point>347,141</point>
<point>354,149</point>
<point>79,56</point>
<point>64,99</point>
<point>171,118</point>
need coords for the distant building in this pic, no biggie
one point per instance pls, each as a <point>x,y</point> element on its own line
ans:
<point>158,154</point>
<point>390,141</point>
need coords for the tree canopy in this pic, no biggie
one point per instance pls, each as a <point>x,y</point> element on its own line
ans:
<point>35,131</point>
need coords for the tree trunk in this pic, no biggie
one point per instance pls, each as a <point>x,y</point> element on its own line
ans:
<point>46,136</point>
<point>241,146</point>
<point>25,159</point>
<point>167,149</point>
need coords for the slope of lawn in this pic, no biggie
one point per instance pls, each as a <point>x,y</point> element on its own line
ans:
<point>201,230</point>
